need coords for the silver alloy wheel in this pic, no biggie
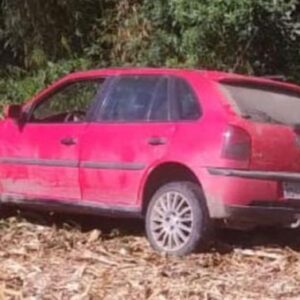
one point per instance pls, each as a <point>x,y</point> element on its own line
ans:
<point>171,221</point>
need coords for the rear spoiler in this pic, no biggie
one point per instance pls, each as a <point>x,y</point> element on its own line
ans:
<point>275,77</point>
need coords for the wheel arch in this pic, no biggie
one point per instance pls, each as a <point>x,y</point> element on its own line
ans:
<point>162,174</point>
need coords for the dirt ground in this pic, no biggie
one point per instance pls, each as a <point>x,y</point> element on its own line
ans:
<point>76,258</point>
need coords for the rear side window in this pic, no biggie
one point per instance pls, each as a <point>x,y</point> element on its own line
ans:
<point>136,98</point>
<point>187,105</point>
<point>264,104</point>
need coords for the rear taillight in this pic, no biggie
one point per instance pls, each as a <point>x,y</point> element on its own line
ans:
<point>236,143</point>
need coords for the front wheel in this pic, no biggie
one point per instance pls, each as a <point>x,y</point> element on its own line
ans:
<point>177,220</point>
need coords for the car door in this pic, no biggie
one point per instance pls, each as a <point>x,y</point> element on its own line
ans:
<point>131,133</point>
<point>39,155</point>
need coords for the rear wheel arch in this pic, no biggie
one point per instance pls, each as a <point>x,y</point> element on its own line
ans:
<point>162,174</point>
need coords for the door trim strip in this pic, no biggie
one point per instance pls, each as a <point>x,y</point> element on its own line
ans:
<point>73,164</point>
<point>38,162</point>
<point>112,165</point>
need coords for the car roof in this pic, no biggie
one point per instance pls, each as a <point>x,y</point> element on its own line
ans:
<point>217,76</point>
<point>214,75</point>
<point>208,74</point>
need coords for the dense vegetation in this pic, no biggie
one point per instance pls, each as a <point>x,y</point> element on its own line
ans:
<point>40,40</point>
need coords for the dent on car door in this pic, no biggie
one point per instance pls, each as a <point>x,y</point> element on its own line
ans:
<point>131,132</point>
<point>39,158</point>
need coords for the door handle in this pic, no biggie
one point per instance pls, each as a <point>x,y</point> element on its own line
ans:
<point>69,141</point>
<point>157,141</point>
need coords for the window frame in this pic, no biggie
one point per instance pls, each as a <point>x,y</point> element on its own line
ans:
<point>55,90</point>
<point>115,80</point>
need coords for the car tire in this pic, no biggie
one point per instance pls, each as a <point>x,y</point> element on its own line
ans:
<point>177,219</point>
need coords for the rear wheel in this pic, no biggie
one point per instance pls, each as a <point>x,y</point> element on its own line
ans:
<point>177,220</point>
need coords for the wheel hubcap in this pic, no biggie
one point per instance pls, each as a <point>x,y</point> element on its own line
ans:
<point>171,221</point>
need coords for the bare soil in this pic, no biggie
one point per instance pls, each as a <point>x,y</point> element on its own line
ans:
<point>62,257</point>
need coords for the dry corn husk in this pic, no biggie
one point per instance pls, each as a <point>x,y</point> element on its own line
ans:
<point>54,261</point>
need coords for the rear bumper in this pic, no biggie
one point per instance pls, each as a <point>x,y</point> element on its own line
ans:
<point>271,214</point>
<point>251,196</point>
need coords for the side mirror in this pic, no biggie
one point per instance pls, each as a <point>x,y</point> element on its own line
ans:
<point>13,111</point>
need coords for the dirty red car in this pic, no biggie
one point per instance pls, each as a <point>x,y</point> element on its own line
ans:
<point>184,149</point>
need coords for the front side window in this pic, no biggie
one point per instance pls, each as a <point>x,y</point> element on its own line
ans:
<point>69,104</point>
<point>136,98</point>
<point>187,102</point>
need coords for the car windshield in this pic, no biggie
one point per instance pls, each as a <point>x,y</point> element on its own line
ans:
<point>264,104</point>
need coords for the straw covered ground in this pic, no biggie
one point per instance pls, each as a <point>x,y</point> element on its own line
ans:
<point>45,257</point>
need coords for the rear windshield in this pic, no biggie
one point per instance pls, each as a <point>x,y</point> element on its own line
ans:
<point>264,104</point>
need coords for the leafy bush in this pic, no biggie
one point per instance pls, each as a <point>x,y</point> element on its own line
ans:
<point>17,86</point>
<point>252,36</point>
<point>40,40</point>
<point>37,31</point>
<point>248,36</point>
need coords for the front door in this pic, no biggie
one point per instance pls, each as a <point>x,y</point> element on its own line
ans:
<point>132,132</point>
<point>39,158</point>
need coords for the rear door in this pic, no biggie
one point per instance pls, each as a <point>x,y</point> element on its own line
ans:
<point>39,158</point>
<point>271,113</point>
<point>131,133</point>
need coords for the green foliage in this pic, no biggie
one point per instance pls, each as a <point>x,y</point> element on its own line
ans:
<point>17,86</point>
<point>122,36</point>
<point>37,31</point>
<point>252,36</point>
<point>248,36</point>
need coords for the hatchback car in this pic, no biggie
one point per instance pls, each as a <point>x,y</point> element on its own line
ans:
<point>183,149</point>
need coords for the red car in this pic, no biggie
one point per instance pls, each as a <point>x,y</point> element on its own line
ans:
<point>180,148</point>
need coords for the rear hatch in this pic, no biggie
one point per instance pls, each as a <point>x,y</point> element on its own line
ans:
<point>270,113</point>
